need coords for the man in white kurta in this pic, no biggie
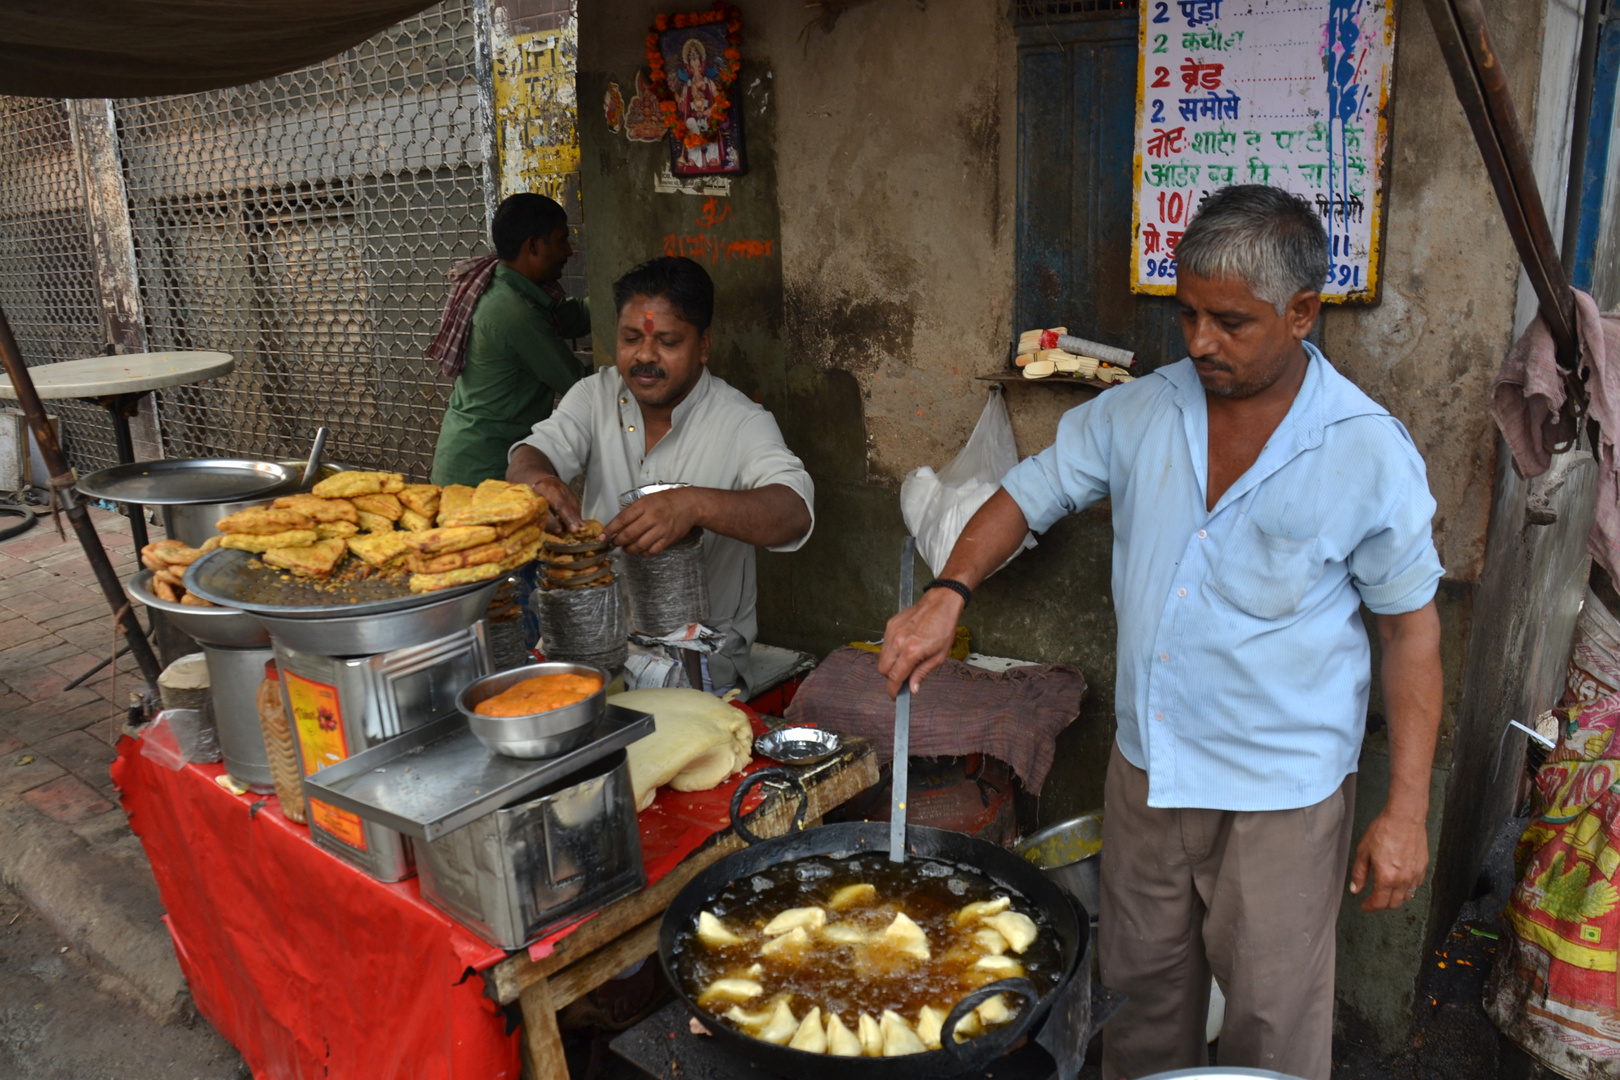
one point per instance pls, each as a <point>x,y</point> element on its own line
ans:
<point>660,417</point>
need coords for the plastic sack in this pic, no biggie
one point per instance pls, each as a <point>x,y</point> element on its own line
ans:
<point>1594,658</point>
<point>936,506</point>
<point>178,737</point>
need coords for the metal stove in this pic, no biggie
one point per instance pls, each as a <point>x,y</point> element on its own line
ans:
<point>341,705</point>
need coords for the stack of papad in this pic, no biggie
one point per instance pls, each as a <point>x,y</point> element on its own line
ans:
<point>482,533</point>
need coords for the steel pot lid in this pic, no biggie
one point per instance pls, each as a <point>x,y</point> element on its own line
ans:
<point>196,480</point>
<point>222,626</point>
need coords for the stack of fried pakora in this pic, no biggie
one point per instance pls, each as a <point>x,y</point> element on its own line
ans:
<point>168,559</point>
<point>389,526</point>
<point>482,532</point>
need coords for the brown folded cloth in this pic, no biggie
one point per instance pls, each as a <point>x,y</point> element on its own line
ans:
<point>1529,392</point>
<point>1013,715</point>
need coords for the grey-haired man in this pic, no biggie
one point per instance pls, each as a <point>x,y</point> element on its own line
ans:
<point>1258,500</point>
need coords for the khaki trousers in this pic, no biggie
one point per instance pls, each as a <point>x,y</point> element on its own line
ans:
<point>1252,897</point>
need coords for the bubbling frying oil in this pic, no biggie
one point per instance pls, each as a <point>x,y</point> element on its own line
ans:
<point>872,975</point>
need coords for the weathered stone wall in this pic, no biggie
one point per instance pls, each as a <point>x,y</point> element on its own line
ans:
<point>882,173</point>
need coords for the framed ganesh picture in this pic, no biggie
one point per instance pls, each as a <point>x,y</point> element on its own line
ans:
<point>693,59</point>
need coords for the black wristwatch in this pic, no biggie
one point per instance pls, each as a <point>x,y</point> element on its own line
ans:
<point>955,586</point>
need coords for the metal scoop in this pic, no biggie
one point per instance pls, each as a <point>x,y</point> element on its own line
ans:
<point>902,721</point>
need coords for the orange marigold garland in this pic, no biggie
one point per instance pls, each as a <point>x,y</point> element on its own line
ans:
<point>724,76</point>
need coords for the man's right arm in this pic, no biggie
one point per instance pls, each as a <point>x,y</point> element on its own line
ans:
<point>919,639</point>
<point>529,466</point>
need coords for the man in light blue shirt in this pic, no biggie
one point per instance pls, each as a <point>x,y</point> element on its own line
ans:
<point>1259,499</point>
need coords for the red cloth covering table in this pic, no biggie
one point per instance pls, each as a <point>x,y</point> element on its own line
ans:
<point>309,967</point>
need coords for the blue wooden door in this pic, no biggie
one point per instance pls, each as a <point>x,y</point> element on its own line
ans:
<point>1076,139</point>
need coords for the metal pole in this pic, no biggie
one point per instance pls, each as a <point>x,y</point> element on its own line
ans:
<point>1591,31</point>
<point>61,484</point>
<point>1476,72</point>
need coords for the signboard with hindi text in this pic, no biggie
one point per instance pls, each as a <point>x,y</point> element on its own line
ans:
<point>1291,93</point>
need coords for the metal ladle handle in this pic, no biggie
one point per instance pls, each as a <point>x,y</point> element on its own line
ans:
<point>1022,987</point>
<point>312,469</point>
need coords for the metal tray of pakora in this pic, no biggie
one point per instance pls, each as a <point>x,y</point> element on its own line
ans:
<point>237,579</point>
<point>430,782</point>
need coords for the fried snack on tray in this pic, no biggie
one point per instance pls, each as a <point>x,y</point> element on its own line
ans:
<point>523,537</point>
<point>455,560</point>
<point>258,542</point>
<point>421,583</point>
<point>498,502</point>
<point>449,538</point>
<point>318,509</point>
<point>411,521</point>
<point>311,560</point>
<point>164,591</point>
<point>335,530</point>
<point>346,485</point>
<point>375,523</point>
<point>387,506</point>
<point>169,553</point>
<point>264,521</point>
<point>454,498</point>
<point>210,544</point>
<point>380,549</point>
<point>169,576</point>
<point>193,600</point>
<point>422,499</point>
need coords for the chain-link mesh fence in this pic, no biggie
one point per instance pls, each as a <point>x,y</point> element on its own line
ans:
<point>305,224</point>
<point>47,271</point>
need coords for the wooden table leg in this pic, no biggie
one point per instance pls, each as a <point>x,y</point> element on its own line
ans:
<point>542,1041</point>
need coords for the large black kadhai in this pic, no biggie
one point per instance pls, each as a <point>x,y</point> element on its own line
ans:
<point>1061,913</point>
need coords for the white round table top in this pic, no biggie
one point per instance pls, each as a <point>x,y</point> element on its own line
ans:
<point>101,376</point>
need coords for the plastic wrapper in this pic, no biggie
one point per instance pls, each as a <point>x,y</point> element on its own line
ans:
<point>668,591</point>
<point>177,737</point>
<point>587,626</point>
<point>937,506</point>
<point>1594,659</point>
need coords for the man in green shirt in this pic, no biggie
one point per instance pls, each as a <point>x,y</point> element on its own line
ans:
<point>518,361</point>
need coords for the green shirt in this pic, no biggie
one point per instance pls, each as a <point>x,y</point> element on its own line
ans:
<point>517,363</point>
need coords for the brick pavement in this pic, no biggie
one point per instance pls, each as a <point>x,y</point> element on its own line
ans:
<point>56,744</point>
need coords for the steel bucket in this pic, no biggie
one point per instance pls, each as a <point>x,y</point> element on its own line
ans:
<point>1070,853</point>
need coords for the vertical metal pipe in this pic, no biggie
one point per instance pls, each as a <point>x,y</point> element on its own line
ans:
<point>1591,31</point>
<point>1481,84</point>
<point>61,483</point>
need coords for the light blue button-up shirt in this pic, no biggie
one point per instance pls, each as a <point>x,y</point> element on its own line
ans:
<point>1243,664</point>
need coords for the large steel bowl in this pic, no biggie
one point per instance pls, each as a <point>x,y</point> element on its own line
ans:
<point>379,632</point>
<point>226,627</point>
<point>539,735</point>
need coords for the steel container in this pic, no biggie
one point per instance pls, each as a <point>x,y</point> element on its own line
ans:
<point>234,676</point>
<point>513,874</point>
<point>1070,853</point>
<point>540,735</point>
<point>222,626</point>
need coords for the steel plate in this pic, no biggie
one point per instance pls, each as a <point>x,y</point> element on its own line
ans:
<point>226,578</point>
<point>199,480</point>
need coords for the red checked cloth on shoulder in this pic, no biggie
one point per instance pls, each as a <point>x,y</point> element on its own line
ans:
<point>469,278</point>
<point>1013,715</point>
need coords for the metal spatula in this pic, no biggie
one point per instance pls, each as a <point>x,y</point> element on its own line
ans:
<point>902,722</point>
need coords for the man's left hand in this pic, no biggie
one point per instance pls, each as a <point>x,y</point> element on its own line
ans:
<point>1394,852</point>
<point>654,522</point>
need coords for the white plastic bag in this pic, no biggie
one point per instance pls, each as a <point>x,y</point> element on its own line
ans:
<point>937,506</point>
<point>178,737</point>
